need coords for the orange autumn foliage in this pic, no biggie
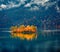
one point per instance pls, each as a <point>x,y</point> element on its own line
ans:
<point>24,32</point>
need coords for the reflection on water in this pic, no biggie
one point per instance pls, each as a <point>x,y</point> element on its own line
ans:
<point>44,43</point>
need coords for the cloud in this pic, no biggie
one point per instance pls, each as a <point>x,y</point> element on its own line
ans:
<point>27,5</point>
<point>12,4</point>
<point>36,4</point>
<point>49,4</point>
<point>40,2</point>
<point>34,8</point>
<point>3,6</point>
